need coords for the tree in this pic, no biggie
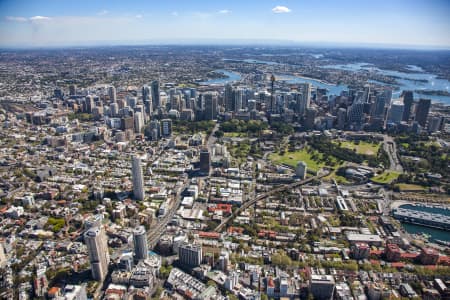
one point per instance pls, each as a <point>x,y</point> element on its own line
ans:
<point>219,134</point>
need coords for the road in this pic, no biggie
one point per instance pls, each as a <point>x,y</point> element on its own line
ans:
<point>275,190</point>
<point>391,149</point>
<point>156,232</point>
<point>212,139</point>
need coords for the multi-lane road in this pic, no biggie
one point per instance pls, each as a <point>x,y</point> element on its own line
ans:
<point>155,233</point>
<point>273,191</point>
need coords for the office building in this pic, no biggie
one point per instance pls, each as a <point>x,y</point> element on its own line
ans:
<point>396,111</point>
<point>301,169</point>
<point>166,127</point>
<point>72,90</point>
<point>112,94</point>
<point>228,98</point>
<point>238,99</point>
<point>156,101</point>
<point>434,123</point>
<point>146,93</point>
<point>422,110</point>
<point>205,161</point>
<point>210,111</point>
<point>88,104</point>
<point>322,286</point>
<point>138,178</point>
<point>408,99</point>
<point>310,118</point>
<point>97,245</point>
<point>341,118</point>
<point>355,113</point>
<point>127,123</point>
<point>303,98</point>
<point>138,122</point>
<point>140,243</point>
<point>190,255</point>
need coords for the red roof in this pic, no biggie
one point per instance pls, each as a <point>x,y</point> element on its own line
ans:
<point>232,229</point>
<point>212,235</point>
<point>221,207</point>
<point>409,255</point>
<point>53,290</point>
<point>397,265</point>
<point>444,260</point>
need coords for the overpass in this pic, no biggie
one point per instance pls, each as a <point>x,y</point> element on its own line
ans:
<point>154,234</point>
<point>274,191</point>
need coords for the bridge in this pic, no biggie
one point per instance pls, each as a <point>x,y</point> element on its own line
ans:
<point>274,191</point>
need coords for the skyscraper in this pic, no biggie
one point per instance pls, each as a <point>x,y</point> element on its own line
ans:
<point>228,98</point>
<point>89,104</point>
<point>422,110</point>
<point>205,161</point>
<point>155,95</point>
<point>145,93</point>
<point>112,94</point>
<point>166,127</point>
<point>355,113</point>
<point>210,112</point>
<point>140,243</point>
<point>238,97</point>
<point>138,122</point>
<point>310,118</point>
<point>302,98</point>
<point>300,171</point>
<point>138,178</point>
<point>97,245</point>
<point>396,111</point>
<point>408,98</point>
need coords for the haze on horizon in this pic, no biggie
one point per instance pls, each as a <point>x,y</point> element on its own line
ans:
<point>400,23</point>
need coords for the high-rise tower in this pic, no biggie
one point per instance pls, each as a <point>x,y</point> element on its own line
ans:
<point>97,245</point>
<point>138,178</point>
<point>140,243</point>
<point>155,95</point>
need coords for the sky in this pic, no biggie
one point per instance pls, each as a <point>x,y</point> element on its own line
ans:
<point>41,23</point>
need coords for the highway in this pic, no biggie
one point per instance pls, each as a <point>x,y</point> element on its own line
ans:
<point>154,234</point>
<point>391,149</point>
<point>275,190</point>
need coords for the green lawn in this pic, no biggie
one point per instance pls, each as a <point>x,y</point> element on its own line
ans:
<point>292,158</point>
<point>410,187</point>
<point>339,179</point>
<point>386,177</point>
<point>235,134</point>
<point>362,147</point>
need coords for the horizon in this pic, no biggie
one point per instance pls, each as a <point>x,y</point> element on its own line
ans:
<point>405,24</point>
<point>231,42</point>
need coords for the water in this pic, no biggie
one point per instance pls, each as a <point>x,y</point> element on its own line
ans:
<point>435,234</point>
<point>231,77</point>
<point>253,61</point>
<point>418,80</point>
<point>332,88</point>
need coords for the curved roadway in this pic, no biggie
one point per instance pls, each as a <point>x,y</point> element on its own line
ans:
<point>275,190</point>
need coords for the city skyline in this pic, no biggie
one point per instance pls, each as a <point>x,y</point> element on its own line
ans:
<point>48,23</point>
